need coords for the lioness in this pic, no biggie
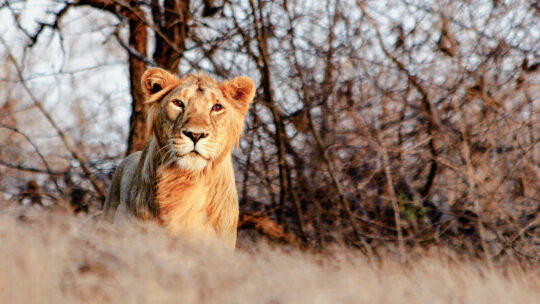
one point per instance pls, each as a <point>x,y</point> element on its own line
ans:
<point>184,177</point>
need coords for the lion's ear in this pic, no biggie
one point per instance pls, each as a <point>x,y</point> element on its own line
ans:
<point>241,90</point>
<point>155,79</point>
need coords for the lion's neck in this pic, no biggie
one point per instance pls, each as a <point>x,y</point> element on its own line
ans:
<point>198,204</point>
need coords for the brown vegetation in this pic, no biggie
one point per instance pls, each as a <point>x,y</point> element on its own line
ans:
<point>382,125</point>
<point>55,258</point>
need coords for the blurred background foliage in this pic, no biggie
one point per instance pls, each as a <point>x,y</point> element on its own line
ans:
<point>382,125</point>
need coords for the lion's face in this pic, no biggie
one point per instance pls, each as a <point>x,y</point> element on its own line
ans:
<point>196,119</point>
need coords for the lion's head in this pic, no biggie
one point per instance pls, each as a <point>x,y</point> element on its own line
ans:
<point>196,119</point>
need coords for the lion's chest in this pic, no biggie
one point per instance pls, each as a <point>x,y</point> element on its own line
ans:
<point>184,207</point>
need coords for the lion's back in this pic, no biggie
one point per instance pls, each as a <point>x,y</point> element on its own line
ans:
<point>118,195</point>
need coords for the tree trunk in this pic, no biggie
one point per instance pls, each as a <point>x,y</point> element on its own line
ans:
<point>137,128</point>
<point>173,26</point>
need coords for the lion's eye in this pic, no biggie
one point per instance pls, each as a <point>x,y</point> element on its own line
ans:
<point>178,103</point>
<point>217,107</point>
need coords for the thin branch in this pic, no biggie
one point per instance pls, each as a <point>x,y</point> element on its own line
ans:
<point>42,26</point>
<point>390,183</point>
<point>30,169</point>
<point>280,136</point>
<point>48,168</point>
<point>124,9</point>
<point>59,131</point>
<point>133,52</point>
<point>251,142</point>
<point>329,165</point>
<point>431,124</point>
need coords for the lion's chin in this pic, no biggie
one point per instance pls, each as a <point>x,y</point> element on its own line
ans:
<point>192,162</point>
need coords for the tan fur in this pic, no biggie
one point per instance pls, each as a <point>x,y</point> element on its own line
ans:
<point>184,181</point>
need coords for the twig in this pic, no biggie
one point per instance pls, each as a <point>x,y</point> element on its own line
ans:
<point>390,183</point>
<point>284,174</point>
<point>131,13</point>
<point>510,244</point>
<point>34,38</point>
<point>29,169</point>
<point>426,103</point>
<point>471,182</point>
<point>59,131</point>
<point>48,168</point>
<point>133,52</point>
<point>329,165</point>
<point>251,142</point>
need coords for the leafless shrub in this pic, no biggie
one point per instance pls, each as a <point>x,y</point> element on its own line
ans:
<point>379,124</point>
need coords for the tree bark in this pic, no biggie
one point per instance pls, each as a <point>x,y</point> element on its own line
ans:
<point>137,129</point>
<point>173,23</point>
<point>138,39</point>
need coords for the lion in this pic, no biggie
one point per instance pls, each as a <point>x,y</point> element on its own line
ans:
<point>184,176</point>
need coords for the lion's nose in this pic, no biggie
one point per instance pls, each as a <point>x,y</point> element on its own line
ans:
<point>195,136</point>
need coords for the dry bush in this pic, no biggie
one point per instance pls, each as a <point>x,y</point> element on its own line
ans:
<point>382,125</point>
<point>51,257</point>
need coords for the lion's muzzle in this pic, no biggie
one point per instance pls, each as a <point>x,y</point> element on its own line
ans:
<point>195,136</point>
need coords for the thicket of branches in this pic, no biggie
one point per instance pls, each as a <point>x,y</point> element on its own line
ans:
<point>379,124</point>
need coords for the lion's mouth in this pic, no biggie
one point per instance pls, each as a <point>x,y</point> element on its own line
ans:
<point>192,160</point>
<point>196,154</point>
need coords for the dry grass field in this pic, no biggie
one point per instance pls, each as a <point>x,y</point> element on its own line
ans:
<point>49,257</point>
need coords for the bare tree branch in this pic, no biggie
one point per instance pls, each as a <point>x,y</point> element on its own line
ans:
<point>47,167</point>
<point>59,131</point>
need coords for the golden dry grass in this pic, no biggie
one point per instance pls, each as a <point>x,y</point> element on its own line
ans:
<point>54,258</point>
